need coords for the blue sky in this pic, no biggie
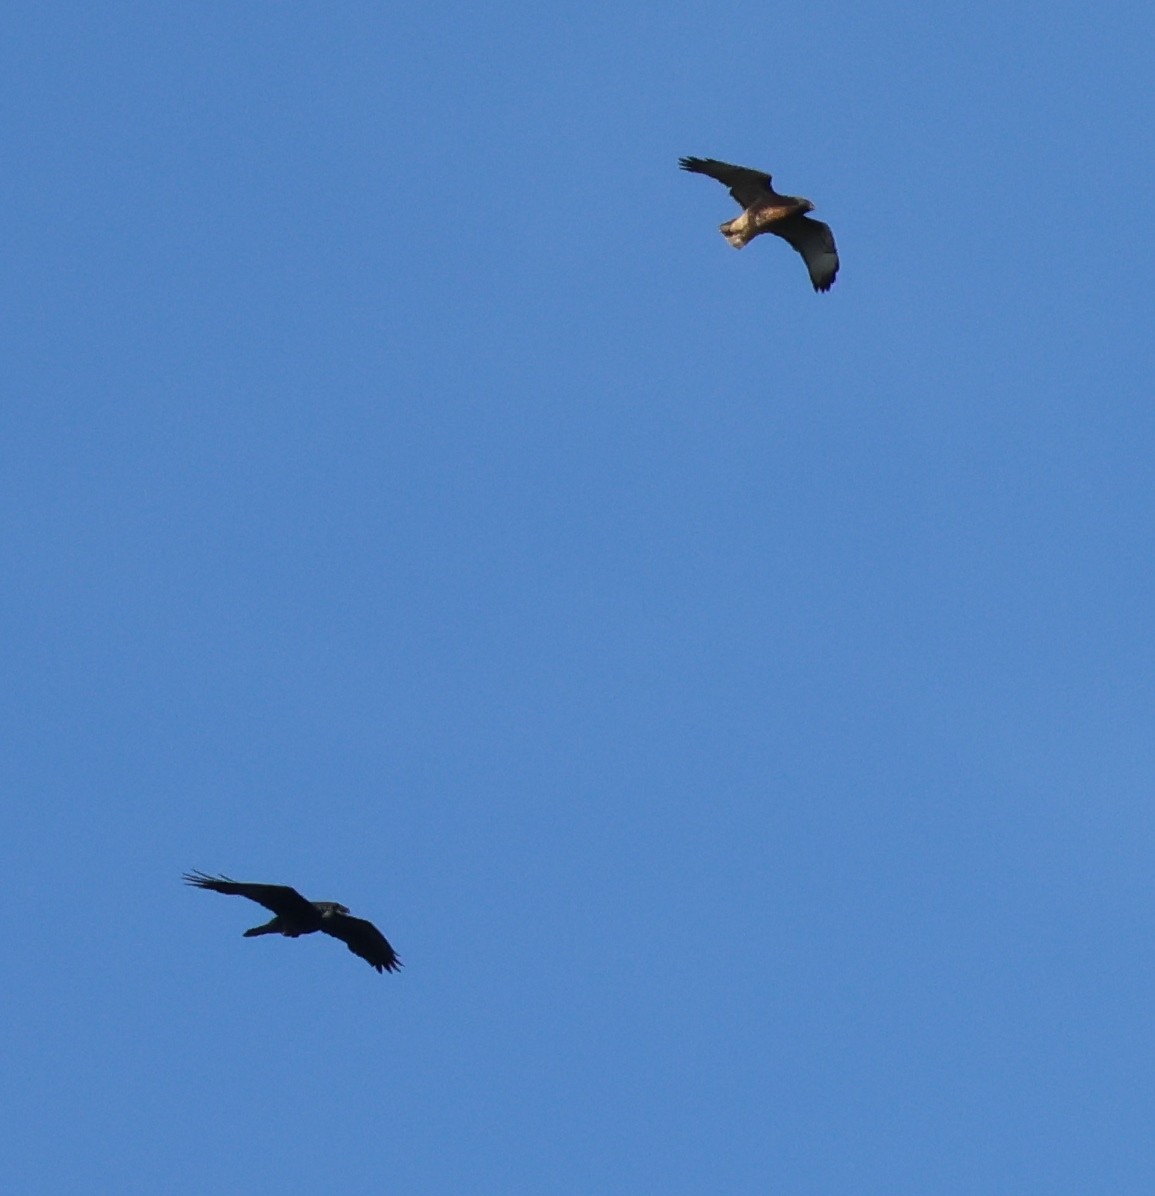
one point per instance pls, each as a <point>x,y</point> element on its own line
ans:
<point>734,703</point>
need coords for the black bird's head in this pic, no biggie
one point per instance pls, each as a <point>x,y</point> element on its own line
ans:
<point>329,908</point>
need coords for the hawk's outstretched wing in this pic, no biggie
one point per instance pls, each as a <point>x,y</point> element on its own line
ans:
<point>746,186</point>
<point>815,242</point>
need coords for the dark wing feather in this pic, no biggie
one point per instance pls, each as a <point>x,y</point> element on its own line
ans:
<point>281,899</point>
<point>746,186</point>
<point>815,242</point>
<point>363,939</point>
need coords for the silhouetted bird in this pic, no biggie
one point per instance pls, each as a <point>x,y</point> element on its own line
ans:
<point>296,916</point>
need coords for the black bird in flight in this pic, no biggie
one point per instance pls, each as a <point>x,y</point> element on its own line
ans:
<point>765,211</point>
<point>294,916</point>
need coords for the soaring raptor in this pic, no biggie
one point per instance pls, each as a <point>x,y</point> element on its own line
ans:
<point>765,211</point>
<point>296,916</point>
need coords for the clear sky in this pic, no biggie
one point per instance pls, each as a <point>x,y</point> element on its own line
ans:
<point>734,703</point>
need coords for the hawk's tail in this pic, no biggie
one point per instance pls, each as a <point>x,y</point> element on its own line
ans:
<point>738,240</point>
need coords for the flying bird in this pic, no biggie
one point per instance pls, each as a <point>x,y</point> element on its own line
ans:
<point>294,916</point>
<point>765,211</point>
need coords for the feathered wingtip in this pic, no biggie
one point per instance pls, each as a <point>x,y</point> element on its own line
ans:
<point>202,880</point>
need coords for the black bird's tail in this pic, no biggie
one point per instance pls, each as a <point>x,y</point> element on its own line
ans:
<point>273,927</point>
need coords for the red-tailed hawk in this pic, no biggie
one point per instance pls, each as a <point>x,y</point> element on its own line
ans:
<point>768,212</point>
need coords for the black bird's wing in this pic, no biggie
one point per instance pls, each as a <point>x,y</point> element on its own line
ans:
<point>747,186</point>
<point>363,939</point>
<point>281,899</point>
<point>815,242</point>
